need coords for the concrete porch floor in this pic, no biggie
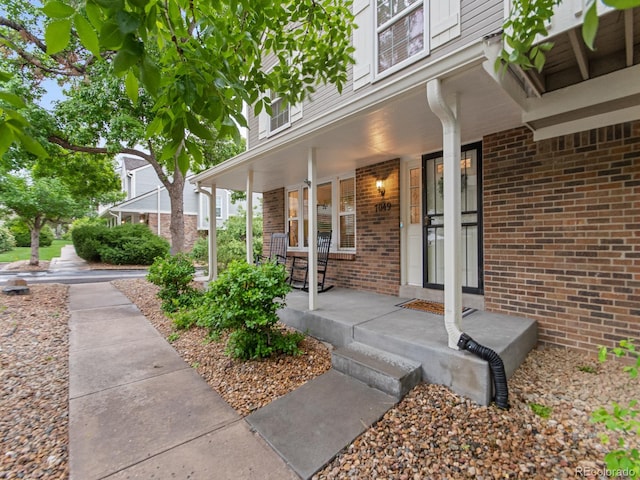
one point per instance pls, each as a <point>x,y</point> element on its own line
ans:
<point>344,316</point>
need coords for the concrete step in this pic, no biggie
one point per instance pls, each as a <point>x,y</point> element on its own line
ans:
<point>389,373</point>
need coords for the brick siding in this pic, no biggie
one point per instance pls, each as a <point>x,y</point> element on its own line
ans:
<point>375,266</point>
<point>562,233</point>
<point>190,228</point>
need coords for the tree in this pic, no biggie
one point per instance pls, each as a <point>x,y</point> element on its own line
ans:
<point>99,110</point>
<point>37,202</point>
<point>199,60</point>
<point>528,20</point>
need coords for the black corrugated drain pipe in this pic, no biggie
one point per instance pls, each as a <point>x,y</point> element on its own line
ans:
<point>495,364</point>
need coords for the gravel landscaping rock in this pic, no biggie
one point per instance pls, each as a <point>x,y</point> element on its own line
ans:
<point>431,434</point>
<point>34,373</point>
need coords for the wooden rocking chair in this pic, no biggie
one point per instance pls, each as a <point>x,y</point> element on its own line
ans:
<point>301,265</point>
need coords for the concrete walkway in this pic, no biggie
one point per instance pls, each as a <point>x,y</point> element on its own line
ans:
<point>137,410</point>
<point>67,261</point>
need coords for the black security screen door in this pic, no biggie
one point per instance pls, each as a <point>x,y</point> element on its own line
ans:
<point>433,222</point>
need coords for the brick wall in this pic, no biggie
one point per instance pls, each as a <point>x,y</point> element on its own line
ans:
<point>190,228</point>
<point>376,264</point>
<point>562,233</point>
<point>272,216</point>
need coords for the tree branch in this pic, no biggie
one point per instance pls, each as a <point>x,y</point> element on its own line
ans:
<point>99,150</point>
<point>70,68</point>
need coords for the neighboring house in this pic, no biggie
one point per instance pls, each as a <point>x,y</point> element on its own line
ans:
<point>548,166</point>
<point>147,201</point>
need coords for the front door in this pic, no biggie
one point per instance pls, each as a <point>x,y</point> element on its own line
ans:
<point>433,222</point>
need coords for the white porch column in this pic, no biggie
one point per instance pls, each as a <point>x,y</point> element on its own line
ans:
<point>313,229</point>
<point>250,217</point>
<point>448,114</point>
<point>158,208</point>
<point>213,236</point>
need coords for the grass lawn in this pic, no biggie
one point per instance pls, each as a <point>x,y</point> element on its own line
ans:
<point>24,253</point>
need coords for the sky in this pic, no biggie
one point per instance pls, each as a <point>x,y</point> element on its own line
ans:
<point>54,93</point>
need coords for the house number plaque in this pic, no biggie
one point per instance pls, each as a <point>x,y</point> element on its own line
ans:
<point>383,207</point>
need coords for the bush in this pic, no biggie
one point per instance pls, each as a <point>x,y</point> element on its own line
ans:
<point>200,251</point>
<point>134,251</point>
<point>625,420</point>
<point>7,240</point>
<point>22,234</point>
<point>231,239</point>
<point>244,301</point>
<point>122,245</point>
<point>174,275</point>
<point>87,240</point>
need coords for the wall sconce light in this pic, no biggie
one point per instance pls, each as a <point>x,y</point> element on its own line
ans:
<point>380,187</point>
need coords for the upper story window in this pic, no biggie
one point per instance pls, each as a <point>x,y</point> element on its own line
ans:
<point>279,114</point>
<point>401,28</point>
<point>336,213</point>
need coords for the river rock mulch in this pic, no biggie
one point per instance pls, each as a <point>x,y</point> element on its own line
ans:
<point>436,434</point>
<point>34,374</point>
<point>431,434</point>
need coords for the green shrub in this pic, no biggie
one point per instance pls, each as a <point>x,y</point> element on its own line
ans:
<point>87,240</point>
<point>134,251</point>
<point>244,300</point>
<point>200,251</point>
<point>174,275</point>
<point>7,240</point>
<point>22,234</point>
<point>231,239</point>
<point>126,244</point>
<point>625,420</point>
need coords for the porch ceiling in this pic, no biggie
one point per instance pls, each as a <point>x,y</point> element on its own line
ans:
<point>617,46</point>
<point>399,126</point>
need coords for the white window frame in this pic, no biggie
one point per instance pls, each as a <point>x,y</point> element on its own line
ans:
<point>335,213</point>
<point>219,206</point>
<point>376,31</point>
<point>285,125</point>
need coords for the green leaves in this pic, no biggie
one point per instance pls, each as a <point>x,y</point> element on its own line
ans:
<point>622,4</point>
<point>57,35</point>
<point>590,25</point>
<point>131,86</point>
<point>55,9</point>
<point>87,34</point>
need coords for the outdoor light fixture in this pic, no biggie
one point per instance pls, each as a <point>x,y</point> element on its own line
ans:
<point>380,187</point>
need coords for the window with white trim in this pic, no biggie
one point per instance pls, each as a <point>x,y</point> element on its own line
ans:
<point>279,114</point>
<point>218,206</point>
<point>401,32</point>
<point>336,213</point>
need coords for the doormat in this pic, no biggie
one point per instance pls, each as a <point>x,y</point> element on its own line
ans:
<point>431,307</point>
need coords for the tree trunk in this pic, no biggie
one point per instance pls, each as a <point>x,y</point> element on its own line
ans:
<point>35,243</point>
<point>176,195</point>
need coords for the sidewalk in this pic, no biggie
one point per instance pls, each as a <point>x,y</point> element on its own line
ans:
<point>137,410</point>
<point>68,260</point>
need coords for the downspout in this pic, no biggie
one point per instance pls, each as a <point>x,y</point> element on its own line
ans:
<point>249,227</point>
<point>158,208</point>
<point>452,216</point>
<point>312,259</point>
<point>212,264</point>
<point>117,217</point>
<point>449,116</point>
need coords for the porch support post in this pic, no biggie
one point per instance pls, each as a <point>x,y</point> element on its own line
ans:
<point>313,228</point>
<point>448,114</point>
<point>250,217</point>
<point>213,236</point>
